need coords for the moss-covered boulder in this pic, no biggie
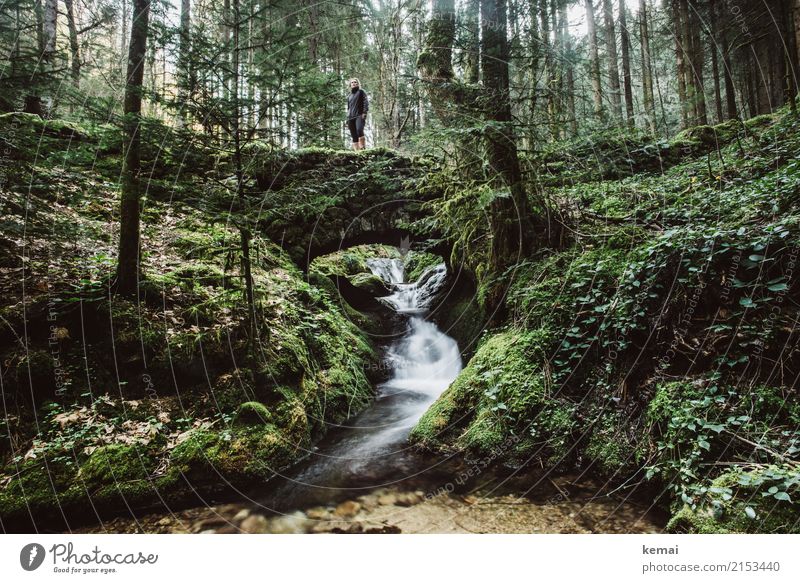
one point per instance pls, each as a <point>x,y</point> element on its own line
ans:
<point>764,500</point>
<point>370,284</point>
<point>504,392</point>
<point>252,413</point>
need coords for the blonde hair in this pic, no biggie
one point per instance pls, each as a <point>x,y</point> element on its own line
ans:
<point>356,80</point>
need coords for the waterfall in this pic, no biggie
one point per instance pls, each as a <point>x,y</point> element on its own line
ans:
<point>425,360</point>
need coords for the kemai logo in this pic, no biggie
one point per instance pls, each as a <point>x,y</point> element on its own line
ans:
<point>31,556</point>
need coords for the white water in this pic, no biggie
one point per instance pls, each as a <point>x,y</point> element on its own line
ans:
<point>424,361</point>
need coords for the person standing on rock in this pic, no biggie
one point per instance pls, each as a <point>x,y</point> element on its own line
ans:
<point>357,108</point>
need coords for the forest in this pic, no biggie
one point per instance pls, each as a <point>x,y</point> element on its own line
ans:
<point>550,286</point>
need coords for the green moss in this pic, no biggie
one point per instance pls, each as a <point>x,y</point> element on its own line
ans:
<point>503,391</point>
<point>736,508</point>
<point>116,463</point>
<point>252,413</point>
<point>417,262</point>
<point>372,284</point>
<point>39,486</point>
<point>611,450</point>
<point>353,261</point>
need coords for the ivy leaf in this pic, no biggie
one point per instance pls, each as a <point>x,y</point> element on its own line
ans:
<point>776,287</point>
<point>750,512</point>
<point>746,302</point>
<point>704,444</point>
<point>782,496</point>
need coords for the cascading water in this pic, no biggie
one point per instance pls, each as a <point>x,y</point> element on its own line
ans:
<point>372,451</point>
<point>424,361</point>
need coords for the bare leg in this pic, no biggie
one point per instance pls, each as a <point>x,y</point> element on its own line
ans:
<point>355,145</point>
<point>362,143</point>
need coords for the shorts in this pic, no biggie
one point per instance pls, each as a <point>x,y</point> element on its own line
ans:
<point>356,127</point>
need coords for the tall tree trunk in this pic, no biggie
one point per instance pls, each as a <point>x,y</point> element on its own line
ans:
<point>727,75</point>
<point>235,123</point>
<point>473,49</point>
<point>565,63</point>
<point>613,60</point>
<point>791,65</point>
<point>74,46</point>
<point>185,75</point>
<point>694,28</point>
<point>535,51</point>
<point>680,62</point>
<point>714,22</point>
<point>508,216</point>
<point>128,262</point>
<point>559,31</point>
<point>50,27</point>
<point>594,64</point>
<point>123,39</point>
<point>626,63</point>
<point>647,68</point>
<point>548,47</point>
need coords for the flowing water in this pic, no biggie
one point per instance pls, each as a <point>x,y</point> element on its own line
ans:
<point>372,452</point>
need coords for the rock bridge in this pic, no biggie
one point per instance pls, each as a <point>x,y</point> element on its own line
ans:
<point>314,201</point>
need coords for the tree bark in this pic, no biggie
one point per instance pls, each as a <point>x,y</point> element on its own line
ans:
<point>548,48</point>
<point>791,65</point>
<point>508,216</point>
<point>128,261</point>
<point>74,46</point>
<point>569,74</point>
<point>185,75</point>
<point>712,9</point>
<point>50,27</point>
<point>680,63</point>
<point>626,63</point>
<point>235,123</point>
<point>647,69</point>
<point>472,25</point>
<point>613,59</point>
<point>697,55</point>
<point>727,75</point>
<point>594,64</point>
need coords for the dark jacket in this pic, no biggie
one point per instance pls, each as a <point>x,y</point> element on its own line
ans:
<point>357,104</point>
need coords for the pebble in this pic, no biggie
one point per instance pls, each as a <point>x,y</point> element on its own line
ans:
<point>347,508</point>
<point>294,523</point>
<point>318,513</point>
<point>241,515</point>
<point>408,499</point>
<point>254,524</point>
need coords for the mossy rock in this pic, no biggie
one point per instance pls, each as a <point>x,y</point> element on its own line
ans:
<point>116,463</point>
<point>371,284</point>
<point>40,486</point>
<point>502,390</point>
<point>252,413</point>
<point>417,262</point>
<point>745,510</point>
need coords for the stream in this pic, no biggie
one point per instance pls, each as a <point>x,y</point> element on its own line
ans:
<point>364,477</point>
